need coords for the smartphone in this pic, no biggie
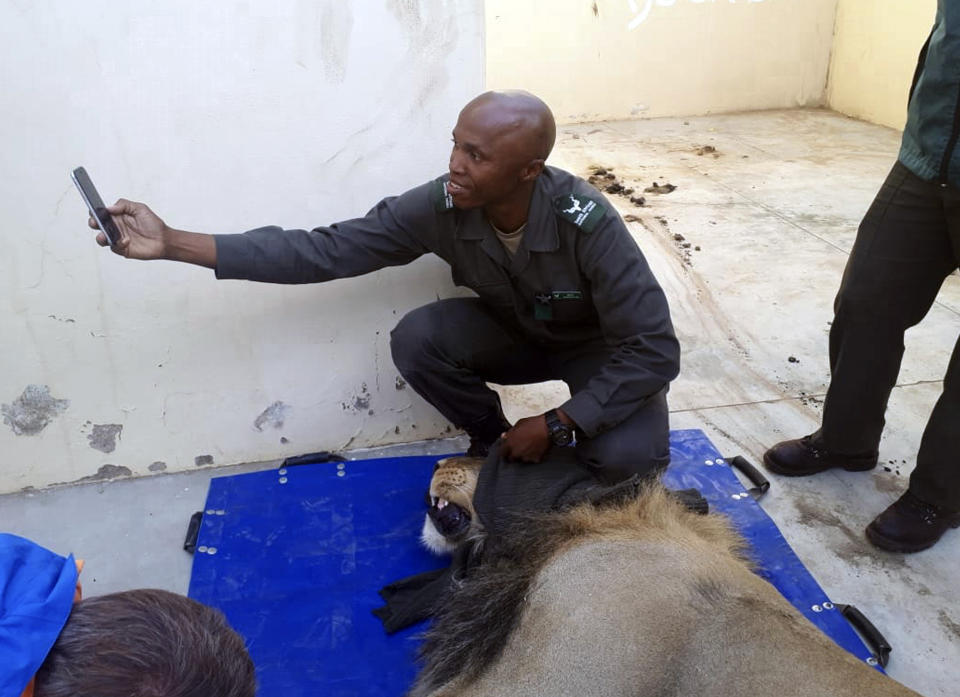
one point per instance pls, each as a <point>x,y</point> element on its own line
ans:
<point>95,204</point>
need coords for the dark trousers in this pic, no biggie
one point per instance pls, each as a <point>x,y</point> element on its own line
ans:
<point>448,350</point>
<point>907,244</point>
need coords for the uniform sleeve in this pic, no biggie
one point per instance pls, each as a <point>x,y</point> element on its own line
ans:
<point>395,231</point>
<point>634,318</point>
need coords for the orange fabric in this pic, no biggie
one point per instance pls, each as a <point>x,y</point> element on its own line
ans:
<point>28,690</point>
<point>78,594</point>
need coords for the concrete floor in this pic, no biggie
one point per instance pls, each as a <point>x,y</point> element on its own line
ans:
<point>770,215</point>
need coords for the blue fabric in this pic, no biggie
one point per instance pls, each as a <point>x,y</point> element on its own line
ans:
<point>36,596</point>
<point>295,558</point>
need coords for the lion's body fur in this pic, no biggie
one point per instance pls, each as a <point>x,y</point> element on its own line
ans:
<point>638,598</point>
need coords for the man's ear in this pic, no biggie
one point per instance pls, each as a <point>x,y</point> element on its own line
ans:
<point>531,170</point>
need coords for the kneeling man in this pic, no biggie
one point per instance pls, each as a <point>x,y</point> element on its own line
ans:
<point>563,291</point>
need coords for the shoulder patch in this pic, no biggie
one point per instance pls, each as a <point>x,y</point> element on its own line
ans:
<point>442,201</point>
<point>583,212</point>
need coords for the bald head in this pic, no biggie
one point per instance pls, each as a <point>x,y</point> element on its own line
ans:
<point>500,143</point>
<point>519,116</point>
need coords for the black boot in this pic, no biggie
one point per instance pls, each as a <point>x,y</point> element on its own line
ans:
<point>808,455</point>
<point>910,525</point>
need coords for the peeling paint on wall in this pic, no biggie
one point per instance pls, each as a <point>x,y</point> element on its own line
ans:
<point>33,410</point>
<point>107,472</point>
<point>272,416</point>
<point>104,437</point>
<point>157,466</point>
<point>201,460</point>
<point>360,402</point>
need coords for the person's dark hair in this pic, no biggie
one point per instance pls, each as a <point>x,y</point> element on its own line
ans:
<point>146,643</point>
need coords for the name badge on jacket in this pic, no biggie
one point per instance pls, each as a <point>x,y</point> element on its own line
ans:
<point>543,302</point>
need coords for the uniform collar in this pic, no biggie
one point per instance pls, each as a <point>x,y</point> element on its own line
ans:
<point>541,234</point>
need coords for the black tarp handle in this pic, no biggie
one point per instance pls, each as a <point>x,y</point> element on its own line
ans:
<point>761,483</point>
<point>312,459</point>
<point>193,532</point>
<point>878,643</point>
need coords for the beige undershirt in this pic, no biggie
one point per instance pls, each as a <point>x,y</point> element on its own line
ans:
<point>510,240</point>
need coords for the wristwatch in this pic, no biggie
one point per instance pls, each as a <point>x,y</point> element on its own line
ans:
<point>560,433</point>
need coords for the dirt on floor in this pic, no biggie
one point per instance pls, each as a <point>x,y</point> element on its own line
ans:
<point>605,179</point>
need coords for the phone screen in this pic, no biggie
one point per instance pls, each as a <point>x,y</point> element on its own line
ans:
<point>97,209</point>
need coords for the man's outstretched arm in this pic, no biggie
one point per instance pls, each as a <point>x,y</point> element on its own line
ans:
<point>395,231</point>
<point>143,235</point>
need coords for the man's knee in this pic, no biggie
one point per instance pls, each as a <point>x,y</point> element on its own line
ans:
<point>615,460</point>
<point>415,335</point>
<point>444,333</point>
<point>640,445</point>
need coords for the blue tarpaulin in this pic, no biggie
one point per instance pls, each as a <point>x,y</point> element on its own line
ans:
<point>294,557</point>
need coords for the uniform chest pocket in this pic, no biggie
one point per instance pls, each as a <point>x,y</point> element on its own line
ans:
<point>562,306</point>
<point>492,287</point>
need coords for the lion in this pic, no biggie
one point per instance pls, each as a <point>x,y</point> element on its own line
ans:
<point>633,597</point>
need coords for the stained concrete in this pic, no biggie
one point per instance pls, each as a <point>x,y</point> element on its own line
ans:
<point>773,208</point>
<point>33,410</point>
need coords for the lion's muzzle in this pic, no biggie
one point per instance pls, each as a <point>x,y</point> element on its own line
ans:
<point>450,520</point>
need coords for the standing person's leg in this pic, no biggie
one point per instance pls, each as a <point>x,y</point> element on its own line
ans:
<point>932,502</point>
<point>449,349</point>
<point>936,478</point>
<point>899,260</point>
<point>638,445</point>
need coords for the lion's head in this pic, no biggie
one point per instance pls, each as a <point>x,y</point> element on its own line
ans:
<point>450,518</point>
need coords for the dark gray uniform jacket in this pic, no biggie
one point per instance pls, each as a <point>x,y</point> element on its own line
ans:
<point>929,147</point>
<point>577,278</point>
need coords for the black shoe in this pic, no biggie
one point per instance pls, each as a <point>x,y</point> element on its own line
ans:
<point>910,525</point>
<point>807,455</point>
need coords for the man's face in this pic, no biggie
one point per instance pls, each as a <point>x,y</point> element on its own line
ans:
<point>488,161</point>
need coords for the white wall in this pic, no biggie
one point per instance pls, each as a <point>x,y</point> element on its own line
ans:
<point>875,53</point>
<point>617,59</point>
<point>222,116</point>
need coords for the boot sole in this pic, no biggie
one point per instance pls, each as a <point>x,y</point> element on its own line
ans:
<point>775,467</point>
<point>890,545</point>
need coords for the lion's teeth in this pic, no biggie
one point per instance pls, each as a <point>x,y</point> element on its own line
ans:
<point>441,503</point>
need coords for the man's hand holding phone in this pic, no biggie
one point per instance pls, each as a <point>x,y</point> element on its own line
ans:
<point>142,233</point>
<point>134,231</point>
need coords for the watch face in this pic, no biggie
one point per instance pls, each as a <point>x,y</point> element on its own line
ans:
<point>562,435</point>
